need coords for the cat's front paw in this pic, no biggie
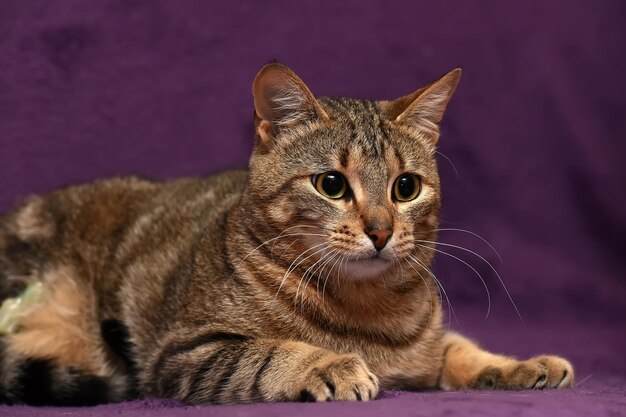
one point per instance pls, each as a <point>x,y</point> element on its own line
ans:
<point>536,373</point>
<point>340,378</point>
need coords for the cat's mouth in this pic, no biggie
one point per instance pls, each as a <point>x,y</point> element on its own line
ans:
<point>366,267</point>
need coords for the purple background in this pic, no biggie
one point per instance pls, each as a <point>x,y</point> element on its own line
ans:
<point>536,131</point>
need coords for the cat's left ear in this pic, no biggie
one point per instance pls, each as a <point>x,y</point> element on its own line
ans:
<point>424,108</point>
<point>281,101</point>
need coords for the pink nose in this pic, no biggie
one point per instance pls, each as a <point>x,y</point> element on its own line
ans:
<point>379,237</point>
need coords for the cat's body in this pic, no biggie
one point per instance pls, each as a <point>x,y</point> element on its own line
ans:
<point>251,286</point>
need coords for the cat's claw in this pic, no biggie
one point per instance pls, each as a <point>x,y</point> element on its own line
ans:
<point>540,372</point>
<point>344,378</point>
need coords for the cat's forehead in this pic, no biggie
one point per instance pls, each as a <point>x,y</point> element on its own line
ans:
<point>349,107</point>
<point>362,135</point>
<point>358,139</point>
<point>365,123</point>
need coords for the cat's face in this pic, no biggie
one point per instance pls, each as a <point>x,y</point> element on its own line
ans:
<point>354,180</point>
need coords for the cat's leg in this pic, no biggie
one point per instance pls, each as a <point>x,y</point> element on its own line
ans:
<point>226,368</point>
<point>467,366</point>
<point>56,355</point>
<point>45,381</point>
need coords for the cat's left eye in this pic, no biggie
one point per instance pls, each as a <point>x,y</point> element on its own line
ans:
<point>406,187</point>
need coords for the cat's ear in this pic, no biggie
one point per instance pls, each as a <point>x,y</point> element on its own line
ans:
<point>282,100</point>
<point>424,108</point>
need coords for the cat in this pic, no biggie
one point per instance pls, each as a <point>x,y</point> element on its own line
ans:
<point>297,280</point>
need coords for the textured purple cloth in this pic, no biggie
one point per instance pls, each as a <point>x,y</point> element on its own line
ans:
<point>536,132</point>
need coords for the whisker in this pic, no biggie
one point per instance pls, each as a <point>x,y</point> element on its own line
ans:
<point>335,253</point>
<point>473,234</point>
<point>292,267</point>
<point>338,259</point>
<point>440,285</point>
<point>469,266</point>
<point>490,266</point>
<point>341,267</point>
<point>285,250</point>
<point>344,257</point>
<point>304,278</point>
<point>334,259</point>
<point>429,293</point>
<point>400,272</point>
<point>282,282</point>
<point>450,161</point>
<point>578,384</point>
<point>322,262</point>
<point>276,238</point>
<point>290,228</point>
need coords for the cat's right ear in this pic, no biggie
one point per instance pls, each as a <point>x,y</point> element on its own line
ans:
<point>282,101</point>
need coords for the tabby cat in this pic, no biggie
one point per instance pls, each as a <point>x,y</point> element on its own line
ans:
<point>297,280</point>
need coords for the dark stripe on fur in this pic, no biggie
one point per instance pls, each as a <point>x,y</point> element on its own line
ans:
<point>399,157</point>
<point>229,367</point>
<point>117,337</point>
<point>383,129</point>
<point>37,385</point>
<point>343,157</point>
<point>203,372</point>
<point>169,384</point>
<point>10,289</point>
<point>175,348</point>
<point>256,394</point>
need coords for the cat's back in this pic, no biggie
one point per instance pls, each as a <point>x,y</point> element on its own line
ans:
<point>105,206</point>
<point>109,224</point>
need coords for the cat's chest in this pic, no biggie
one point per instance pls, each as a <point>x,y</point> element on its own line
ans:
<point>412,353</point>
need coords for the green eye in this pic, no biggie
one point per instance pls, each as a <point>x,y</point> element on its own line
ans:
<point>330,184</point>
<point>406,187</point>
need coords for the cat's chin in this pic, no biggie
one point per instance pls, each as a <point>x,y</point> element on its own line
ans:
<point>362,269</point>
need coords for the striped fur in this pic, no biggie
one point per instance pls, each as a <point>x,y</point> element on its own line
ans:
<point>249,286</point>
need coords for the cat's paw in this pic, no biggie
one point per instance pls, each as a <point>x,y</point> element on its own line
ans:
<point>340,378</point>
<point>536,373</point>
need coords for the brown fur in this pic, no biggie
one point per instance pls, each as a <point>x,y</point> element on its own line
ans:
<point>466,365</point>
<point>252,286</point>
<point>61,325</point>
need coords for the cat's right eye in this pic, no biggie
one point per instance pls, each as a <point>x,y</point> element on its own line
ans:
<point>330,184</point>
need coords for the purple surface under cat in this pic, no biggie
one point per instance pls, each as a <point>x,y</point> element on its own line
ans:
<point>535,132</point>
<point>601,389</point>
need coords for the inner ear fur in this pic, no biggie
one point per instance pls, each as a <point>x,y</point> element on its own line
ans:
<point>282,100</point>
<point>424,108</point>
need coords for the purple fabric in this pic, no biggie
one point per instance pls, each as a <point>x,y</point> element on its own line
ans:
<point>536,132</point>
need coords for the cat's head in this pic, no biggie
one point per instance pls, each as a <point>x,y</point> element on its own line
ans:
<point>356,180</point>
